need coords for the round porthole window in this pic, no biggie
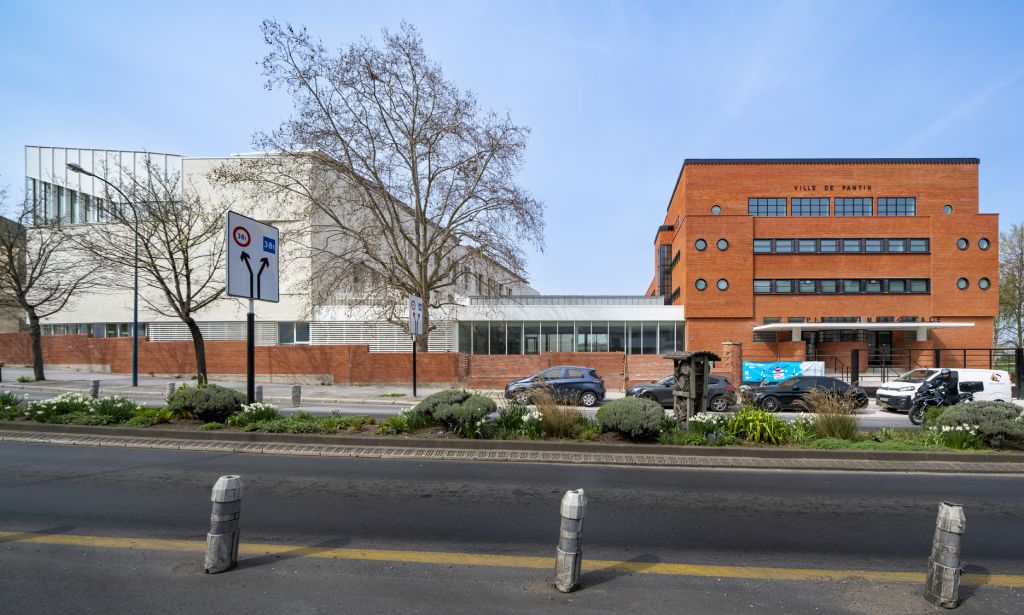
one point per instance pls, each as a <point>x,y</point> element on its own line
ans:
<point>984,243</point>
<point>723,284</point>
<point>715,210</point>
<point>962,243</point>
<point>962,283</point>
<point>701,245</point>
<point>722,244</point>
<point>948,209</point>
<point>701,284</point>
<point>984,284</point>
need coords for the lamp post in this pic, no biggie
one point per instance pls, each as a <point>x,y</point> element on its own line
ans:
<point>77,168</point>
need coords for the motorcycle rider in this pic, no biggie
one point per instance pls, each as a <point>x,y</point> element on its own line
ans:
<point>950,386</point>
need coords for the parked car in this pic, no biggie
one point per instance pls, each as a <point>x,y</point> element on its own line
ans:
<point>721,393</point>
<point>784,395</point>
<point>898,394</point>
<point>571,384</point>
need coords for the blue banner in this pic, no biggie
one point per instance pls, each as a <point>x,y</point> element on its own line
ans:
<point>777,371</point>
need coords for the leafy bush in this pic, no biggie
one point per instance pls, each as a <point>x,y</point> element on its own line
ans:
<point>932,414</point>
<point>835,414</point>
<point>48,410</point>
<point>631,416</point>
<point>211,426</point>
<point>394,425</point>
<point>997,424</point>
<point>119,408</point>
<point>431,403</point>
<point>141,421</point>
<point>587,428</point>
<point>207,403</point>
<point>759,426</point>
<point>252,413</point>
<point>10,406</point>
<point>25,379</point>
<point>831,443</point>
<point>463,417</point>
<point>303,422</point>
<point>271,426</point>
<point>84,418</point>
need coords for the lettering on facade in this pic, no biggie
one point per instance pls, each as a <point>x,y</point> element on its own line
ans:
<point>832,187</point>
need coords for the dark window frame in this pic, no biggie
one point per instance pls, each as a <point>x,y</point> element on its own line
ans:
<point>767,206</point>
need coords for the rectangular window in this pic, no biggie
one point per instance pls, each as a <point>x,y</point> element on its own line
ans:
<point>481,336</point>
<point>465,338</point>
<point>583,336</point>
<point>531,337</point>
<point>285,333</point>
<point>301,332</point>
<point>872,286</point>
<point>807,246</point>
<point>897,206</point>
<point>762,246</point>
<point>851,286</point>
<point>918,286</point>
<point>650,339</point>
<point>851,245</point>
<point>99,330</point>
<point>873,245</point>
<point>616,336</point>
<point>828,246</point>
<point>599,336</point>
<point>497,337</point>
<point>768,336</point>
<point>762,287</point>
<point>766,207</point>
<point>810,207</point>
<point>680,336</point>
<point>783,286</point>
<point>666,337</point>
<point>808,286</point>
<point>896,245</point>
<point>514,332</point>
<point>856,206</point>
<point>633,329</point>
<point>828,286</point>
<point>566,337</point>
<point>919,245</point>
<point>897,286</point>
<point>783,246</point>
<point>111,329</point>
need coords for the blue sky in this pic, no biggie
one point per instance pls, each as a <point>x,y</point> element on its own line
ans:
<point>617,93</point>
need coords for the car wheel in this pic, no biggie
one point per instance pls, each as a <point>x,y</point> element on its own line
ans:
<point>588,399</point>
<point>650,396</point>
<point>719,404</point>
<point>522,398</point>
<point>771,404</point>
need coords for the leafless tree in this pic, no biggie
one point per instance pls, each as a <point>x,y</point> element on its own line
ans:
<point>409,188</point>
<point>36,275</point>
<point>1010,323</point>
<point>180,247</point>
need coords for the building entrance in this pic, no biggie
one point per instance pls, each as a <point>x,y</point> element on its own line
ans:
<point>879,348</point>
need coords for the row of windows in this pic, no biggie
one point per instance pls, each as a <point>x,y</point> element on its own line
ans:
<point>701,245</point>
<point>983,243</point>
<point>533,337</point>
<point>101,329</point>
<point>983,283</point>
<point>821,206</point>
<point>842,286</point>
<point>702,284</point>
<point>845,246</point>
<point>52,203</point>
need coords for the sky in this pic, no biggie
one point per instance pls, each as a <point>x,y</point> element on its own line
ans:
<point>617,93</point>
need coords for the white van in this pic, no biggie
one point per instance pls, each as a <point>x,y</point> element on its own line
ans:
<point>897,394</point>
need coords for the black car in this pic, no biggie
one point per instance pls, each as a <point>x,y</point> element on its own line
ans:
<point>784,395</point>
<point>567,383</point>
<point>721,393</point>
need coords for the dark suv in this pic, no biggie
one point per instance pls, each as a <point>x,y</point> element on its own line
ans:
<point>567,383</point>
<point>721,393</point>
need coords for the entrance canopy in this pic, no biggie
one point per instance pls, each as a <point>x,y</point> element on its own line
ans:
<point>921,328</point>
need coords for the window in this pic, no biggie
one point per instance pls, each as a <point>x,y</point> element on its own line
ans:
<point>465,337</point>
<point>873,245</point>
<point>723,284</point>
<point>810,207</point>
<point>984,284</point>
<point>851,245</point>
<point>722,245</point>
<point>828,245</point>
<point>701,245</point>
<point>918,286</point>
<point>851,286</point>
<point>481,335</point>
<point>807,286</point>
<point>828,286</point>
<point>783,246</point>
<point>633,338</point>
<point>768,336</point>
<point>715,210</point>
<point>919,245</point>
<point>962,283</point>
<point>984,243</point>
<point>666,337</point>
<point>896,245</point>
<point>807,246</point>
<point>617,336</point>
<point>762,287</point>
<point>897,286</point>
<point>962,243</point>
<point>599,336</point>
<point>582,337</point>
<point>762,246</point>
<point>766,207</point>
<point>872,286</point>
<point>783,286</point>
<point>650,340</point>
<point>701,284</point>
<point>897,206</point>
<point>497,338</point>
<point>857,206</point>
<point>573,373</point>
<point>947,209</point>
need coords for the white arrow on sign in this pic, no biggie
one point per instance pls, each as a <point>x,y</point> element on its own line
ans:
<point>415,315</point>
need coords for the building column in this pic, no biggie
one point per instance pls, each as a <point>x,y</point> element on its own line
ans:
<point>732,361</point>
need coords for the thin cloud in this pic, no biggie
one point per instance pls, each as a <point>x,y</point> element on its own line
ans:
<point>963,110</point>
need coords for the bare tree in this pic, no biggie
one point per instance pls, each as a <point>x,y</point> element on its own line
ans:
<point>1010,323</point>
<point>180,246</point>
<point>408,186</point>
<point>35,273</point>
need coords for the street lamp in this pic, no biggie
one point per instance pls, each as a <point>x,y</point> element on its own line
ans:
<point>77,168</point>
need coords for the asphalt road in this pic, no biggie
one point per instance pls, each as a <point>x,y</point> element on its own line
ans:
<point>726,518</point>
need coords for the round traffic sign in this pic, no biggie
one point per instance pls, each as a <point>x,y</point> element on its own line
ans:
<point>241,235</point>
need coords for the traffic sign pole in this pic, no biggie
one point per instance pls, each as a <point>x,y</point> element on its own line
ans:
<point>414,366</point>
<point>250,352</point>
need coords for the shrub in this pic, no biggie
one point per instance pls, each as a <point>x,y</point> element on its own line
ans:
<point>271,426</point>
<point>207,403</point>
<point>119,408</point>
<point>835,414</point>
<point>431,403</point>
<point>10,406</point>
<point>141,421</point>
<point>932,414</point>
<point>25,379</point>
<point>252,413</point>
<point>394,425</point>
<point>587,428</point>
<point>48,410</point>
<point>631,416</point>
<point>559,421</point>
<point>510,418</point>
<point>759,426</point>
<point>463,417</point>
<point>831,443</point>
<point>211,426</point>
<point>997,424</point>
<point>84,418</point>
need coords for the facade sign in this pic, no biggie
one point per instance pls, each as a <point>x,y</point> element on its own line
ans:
<point>252,259</point>
<point>777,371</point>
<point>415,315</point>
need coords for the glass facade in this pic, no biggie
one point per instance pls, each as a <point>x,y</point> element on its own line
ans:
<point>851,245</point>
<point>533,337</point>
<point>846,286</point>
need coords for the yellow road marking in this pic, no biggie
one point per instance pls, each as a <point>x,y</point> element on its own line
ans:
<point>508,561</point>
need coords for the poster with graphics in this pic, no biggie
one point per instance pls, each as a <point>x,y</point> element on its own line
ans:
<point>777,371</point>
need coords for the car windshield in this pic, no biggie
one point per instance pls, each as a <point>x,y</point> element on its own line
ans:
<point>917,375</point>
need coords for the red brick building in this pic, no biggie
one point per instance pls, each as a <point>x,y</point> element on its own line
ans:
<point>807,259</point>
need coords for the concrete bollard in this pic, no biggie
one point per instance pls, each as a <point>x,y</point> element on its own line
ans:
<point>942,586</point>
<point>569,554</point>
<point>258,395</point>
<point>222,541</point>
<point>296,395</point>
<point>170,390</point>
<point>94,389</point>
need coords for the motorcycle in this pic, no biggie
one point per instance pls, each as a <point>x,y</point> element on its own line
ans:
<point>933,398</point>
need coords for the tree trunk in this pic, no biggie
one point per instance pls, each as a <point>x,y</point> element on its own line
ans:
<point>36,334</point>
<point>200,350</point>
<point>423,341</point>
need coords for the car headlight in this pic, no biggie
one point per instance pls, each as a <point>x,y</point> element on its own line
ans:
<point>907,389</point>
